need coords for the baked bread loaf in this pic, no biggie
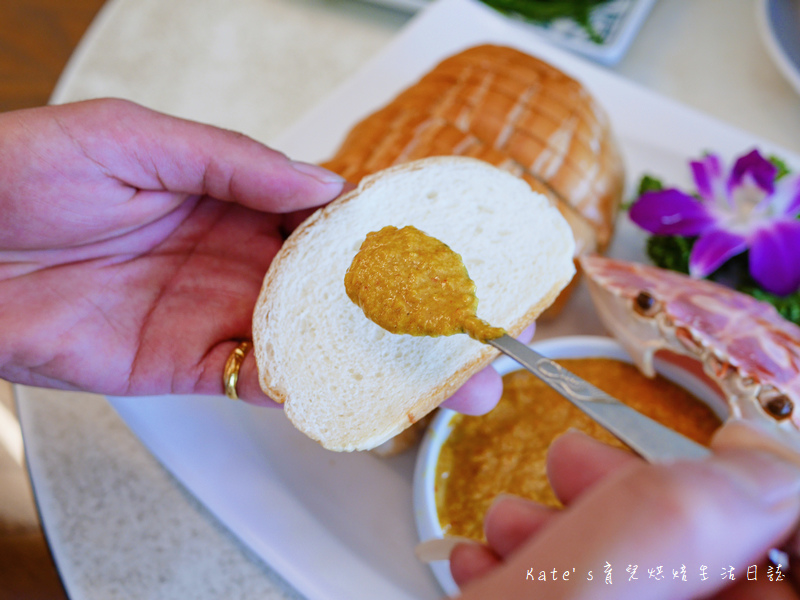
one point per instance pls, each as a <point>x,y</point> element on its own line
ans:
<point>350,384</point>
<point>513,111</point>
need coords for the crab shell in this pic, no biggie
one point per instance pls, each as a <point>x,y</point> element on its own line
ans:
<point>744,345</point>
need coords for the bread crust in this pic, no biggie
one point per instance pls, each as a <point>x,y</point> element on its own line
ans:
<point>514,111</point>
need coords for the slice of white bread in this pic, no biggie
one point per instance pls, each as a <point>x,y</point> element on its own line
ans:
<point>351,385</point>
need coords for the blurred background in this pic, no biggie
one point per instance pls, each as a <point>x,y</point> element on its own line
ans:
<point>37,38</point>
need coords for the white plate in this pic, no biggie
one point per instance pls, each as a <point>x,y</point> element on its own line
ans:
<point>410,5</point>
<point>779,25</point>
<point>617,22</point>
<point>436,435</point>
<point>342,526</point>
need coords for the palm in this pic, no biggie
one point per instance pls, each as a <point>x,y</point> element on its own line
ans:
<point>120,272</point>
<point>149,322</point>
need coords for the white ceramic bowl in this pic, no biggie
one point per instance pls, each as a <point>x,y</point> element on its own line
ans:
<point>427,519</point>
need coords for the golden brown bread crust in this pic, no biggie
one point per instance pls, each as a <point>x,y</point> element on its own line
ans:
<point>514,111</point>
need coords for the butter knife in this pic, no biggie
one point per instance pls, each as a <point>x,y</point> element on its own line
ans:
<point>650,439</point>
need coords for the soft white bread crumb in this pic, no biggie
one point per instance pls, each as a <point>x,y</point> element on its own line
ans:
<point>351,385</point>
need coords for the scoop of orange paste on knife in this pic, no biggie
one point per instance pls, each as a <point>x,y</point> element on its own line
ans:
<point>409,282</point>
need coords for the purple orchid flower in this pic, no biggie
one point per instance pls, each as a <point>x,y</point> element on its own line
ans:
<point>744,209</point>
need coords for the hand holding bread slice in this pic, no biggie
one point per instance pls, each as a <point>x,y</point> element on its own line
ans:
<point>351,385</point>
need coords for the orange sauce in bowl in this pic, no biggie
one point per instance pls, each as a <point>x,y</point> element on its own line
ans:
<point>505,450</point>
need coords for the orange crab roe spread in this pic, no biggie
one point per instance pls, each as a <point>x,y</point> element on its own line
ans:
<point>409,282</point>
<point>505,450</point>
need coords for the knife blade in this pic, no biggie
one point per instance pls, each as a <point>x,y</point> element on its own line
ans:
<point>648,438</point>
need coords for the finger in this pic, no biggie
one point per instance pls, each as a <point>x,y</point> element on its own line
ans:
<point>724,511</point>
<point>292,220</point>
<point>471,561</point>
<point>478,395</point>
<point>527,334</point>
<point>511,521</point>
<point>576,461</point>
<point>155,151</point>
<point>212,379</point>
<point>248,388</point>
<point>741,434</point>
<point>482,391</point>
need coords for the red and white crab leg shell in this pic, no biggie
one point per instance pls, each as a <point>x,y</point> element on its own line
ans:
<point>744,345</point>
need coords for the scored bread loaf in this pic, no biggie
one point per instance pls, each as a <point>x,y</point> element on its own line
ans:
<point>513,111</point>
<point>351,385</point>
